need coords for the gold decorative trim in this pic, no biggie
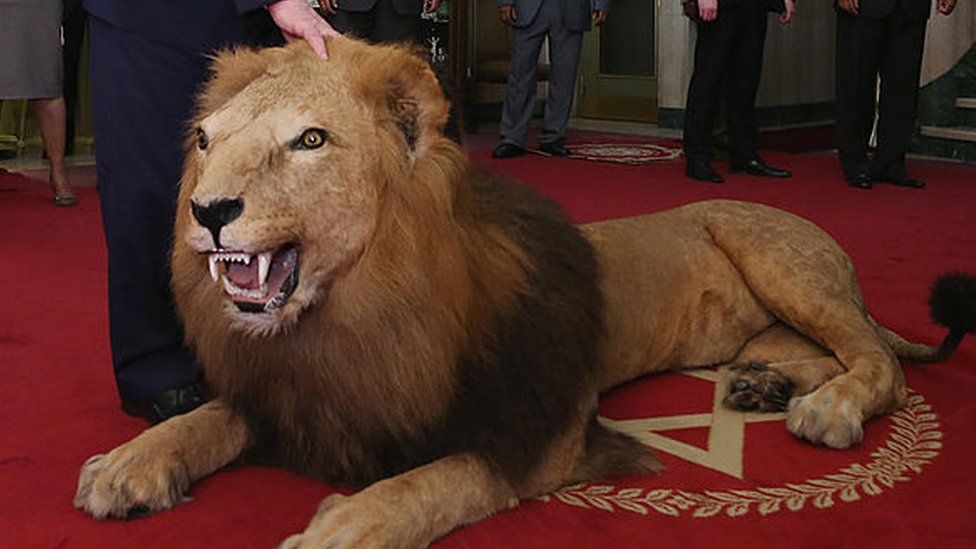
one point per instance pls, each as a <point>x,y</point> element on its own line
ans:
<point>914,440</point>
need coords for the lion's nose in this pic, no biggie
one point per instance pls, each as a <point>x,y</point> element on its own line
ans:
<point>218,213</point>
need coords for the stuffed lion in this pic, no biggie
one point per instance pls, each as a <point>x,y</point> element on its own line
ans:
<point>375,312</point>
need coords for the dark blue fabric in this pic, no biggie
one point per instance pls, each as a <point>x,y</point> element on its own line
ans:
<point>403,7</point>
<point>143,91</point>
<point>201,24</point>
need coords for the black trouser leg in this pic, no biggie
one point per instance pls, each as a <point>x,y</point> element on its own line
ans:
<point>742,82</point>
<point>74,21</point>
<point>354,23</point>
<point>382,23</point>
<point>391,26</point>
<point>859,43</point>
<point>712,53</point>
<point>901,62</point>
<point>142,93</point>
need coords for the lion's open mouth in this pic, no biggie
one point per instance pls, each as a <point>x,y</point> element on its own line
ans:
<point>260,282</point>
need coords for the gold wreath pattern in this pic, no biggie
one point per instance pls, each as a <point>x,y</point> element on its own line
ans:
<point>913,441</point>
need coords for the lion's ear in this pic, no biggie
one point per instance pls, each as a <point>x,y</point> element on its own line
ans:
<point>404,85</point>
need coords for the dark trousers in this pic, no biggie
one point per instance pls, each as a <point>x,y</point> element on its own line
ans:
<point>142,95</point>
<point>380,24</point>
<point>889,47</point>
<point>74,20</point>
<point>728,61</point>
<point>564,56</point>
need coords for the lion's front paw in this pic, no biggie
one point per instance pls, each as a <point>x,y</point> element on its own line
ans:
<point>131,481</point>
<point>354,522</point>
<point>823,418</point>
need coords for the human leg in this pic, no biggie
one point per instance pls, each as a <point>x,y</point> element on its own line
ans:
<point>901,62</point>
<point>564,56</point>
<point>517,110</point>
<point>858,57</point>
<point>50,116</point>
<point>711,59</point>
<point>142,94</point>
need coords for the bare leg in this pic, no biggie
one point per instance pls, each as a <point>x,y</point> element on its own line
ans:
<point>51,119</point>
<point>154,470</point>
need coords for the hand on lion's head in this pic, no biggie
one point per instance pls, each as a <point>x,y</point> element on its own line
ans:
<point>289,168</point>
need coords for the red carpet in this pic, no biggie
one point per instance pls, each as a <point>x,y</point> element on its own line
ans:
<point>911,484</point>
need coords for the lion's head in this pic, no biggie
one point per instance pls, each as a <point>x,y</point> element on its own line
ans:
<point>285,166</point>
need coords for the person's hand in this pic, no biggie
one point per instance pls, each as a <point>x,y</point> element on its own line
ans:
<point>850,6</point>
<point>787,15</point>
<point>431,6</point>
<point>708,9</point>
<point>507,14</point>
<point>599,17</point>
<point>945,7</point>
<point>331,6</point>
<point>298,21</point>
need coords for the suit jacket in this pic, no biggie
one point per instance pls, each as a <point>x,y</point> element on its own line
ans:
<point>878,9</point>
<point>576,17</point>
<point>197,24</point>
<point>403,7</point>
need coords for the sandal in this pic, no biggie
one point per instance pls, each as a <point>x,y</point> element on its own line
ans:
<point>65,199</point>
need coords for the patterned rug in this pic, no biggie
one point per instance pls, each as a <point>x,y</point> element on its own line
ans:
<point>622,151</point>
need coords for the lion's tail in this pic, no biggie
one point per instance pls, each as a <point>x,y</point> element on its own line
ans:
<point>952,304</point>
<point>610,453</point>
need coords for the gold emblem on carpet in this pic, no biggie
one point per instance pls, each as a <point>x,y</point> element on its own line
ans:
<point>913,440</point>
<point>625,153</point>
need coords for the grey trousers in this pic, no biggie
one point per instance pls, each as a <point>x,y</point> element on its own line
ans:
<point>564,54</point>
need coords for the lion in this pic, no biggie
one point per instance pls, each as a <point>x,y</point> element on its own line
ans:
<point>373,311</point>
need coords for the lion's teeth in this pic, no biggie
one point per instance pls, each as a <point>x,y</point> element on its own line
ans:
<point>214,272</point>
<point>230,288</point>
<point>264,265</point>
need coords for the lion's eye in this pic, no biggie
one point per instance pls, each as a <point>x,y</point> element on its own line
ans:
<point>202,140</point>
<point>311,139</point>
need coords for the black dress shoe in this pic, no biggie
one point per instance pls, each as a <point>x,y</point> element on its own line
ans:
<point>703,171</point>
<point>758,168</point>
<point>171,403</point>
<point>554,149</point>
<point>507,150</point>
<point>903,181</point>
<point>860,181</point>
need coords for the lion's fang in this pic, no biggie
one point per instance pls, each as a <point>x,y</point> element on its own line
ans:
<point>214,272</point>
<point>264,265</point>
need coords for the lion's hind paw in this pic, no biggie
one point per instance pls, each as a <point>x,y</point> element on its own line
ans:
<point>755,387</point>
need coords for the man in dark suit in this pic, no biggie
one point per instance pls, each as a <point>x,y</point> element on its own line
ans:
<point>379,20</point>
<point>729,49</point>
<point>148,60</point>
<point>564,22</point>
<point>879,38</point>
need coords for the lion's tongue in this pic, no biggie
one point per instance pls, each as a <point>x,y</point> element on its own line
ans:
<point>283,264</point>
<point>244,276</point>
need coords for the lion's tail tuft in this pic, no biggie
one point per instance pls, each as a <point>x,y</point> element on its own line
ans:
<point>952,304</point>
<point>610,453</point>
